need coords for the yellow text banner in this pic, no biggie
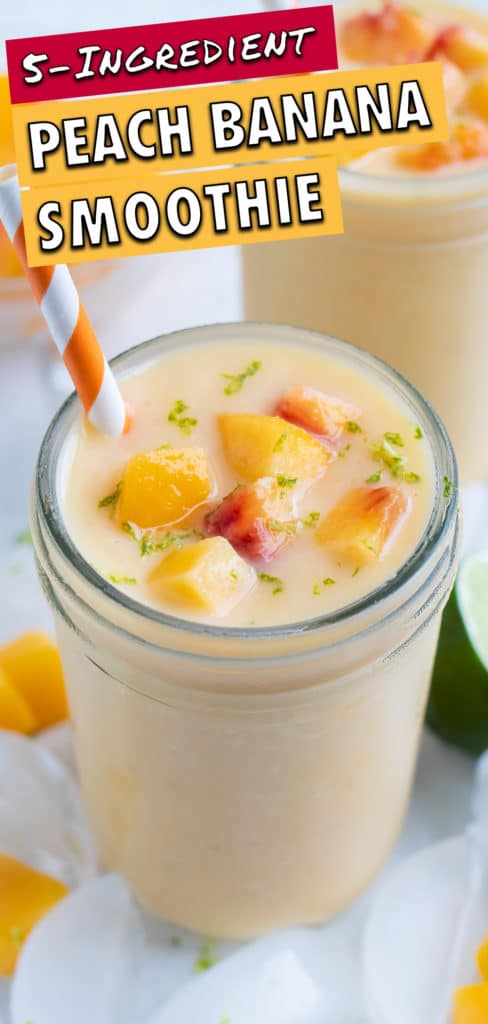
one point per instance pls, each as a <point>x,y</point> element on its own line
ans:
<point>172,212</point>
<point>332,114</point>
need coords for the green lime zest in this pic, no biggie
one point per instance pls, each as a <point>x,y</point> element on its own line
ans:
<point>120,579</point>
<point>24,538</point>
<point>394,438</point>
<point>353,428</point>
<point>277,526</point>
<point>417,433</point>
<point>357,569</point>
<point>277,583</point>
<point>286,481</point>
<point>311,520</point>
<point>185,423</point>
<point>328,582</point>
<point>343,451</point>
<point>207,957</point>
<point>316,589</point>
<point>236,380</point>
<point>111,500</point>
<point>280,443</point>
<point>448,487</point>
<point>412,478</point>
<point>149,545</point>
<point>375,477</point>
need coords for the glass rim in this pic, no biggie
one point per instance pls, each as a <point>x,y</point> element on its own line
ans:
<point>443,513</point>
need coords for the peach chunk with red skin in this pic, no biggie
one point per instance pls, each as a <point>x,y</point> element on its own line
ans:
<point>468,141</point>
<point>394,35</point>
<point>477,96</point>
<point>363,524</point>
<point>257,519</point>
<point>463,45</point>
<point>321,414</point>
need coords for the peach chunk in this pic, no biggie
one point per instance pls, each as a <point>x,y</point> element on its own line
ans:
<point>33,667</point>
<point>163,486</point>
<point>482,960</point>
<point>317,412</point>
<point>206,576</point>
<point>258,446</point>
<point>15,713</point>
<point>395,35</point>
<point>257,519</point>
<point>463,45</point>
<point>471,1005</point>
<point>477,97</point>
<point>469,141</point>
<point>25,896</point>
<point>362,525</point>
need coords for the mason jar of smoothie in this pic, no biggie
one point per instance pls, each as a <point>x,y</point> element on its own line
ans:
<point>407,280</point>
<point>247,589</point>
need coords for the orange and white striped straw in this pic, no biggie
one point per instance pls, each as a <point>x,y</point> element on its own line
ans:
<point>67,321</point>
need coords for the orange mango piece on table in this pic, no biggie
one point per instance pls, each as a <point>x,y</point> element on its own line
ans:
<point>264,446</point>
<point>15,713</point>
<point>363,523</point>
<point>471,1005</point>
<point>164,486</point>
<point>25,896</point>
<point>33,669</point>
<point>482,960</point>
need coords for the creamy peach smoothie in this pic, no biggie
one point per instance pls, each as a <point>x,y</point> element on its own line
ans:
<point>407,279</point>
<point>247,589</point>
<point>260,457</point>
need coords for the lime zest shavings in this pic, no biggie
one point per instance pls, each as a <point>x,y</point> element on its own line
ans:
<point>236,380</point>
<point>277,583</point>
<point>111,500</point>
<point>176,416</point>
<point>280,443</point>
<point>207,957</point>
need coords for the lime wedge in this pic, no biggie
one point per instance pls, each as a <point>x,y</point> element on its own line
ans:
<point>458,703</point>
<point>472,595</point>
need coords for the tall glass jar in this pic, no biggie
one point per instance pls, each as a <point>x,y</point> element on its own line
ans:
<point>244,779</point>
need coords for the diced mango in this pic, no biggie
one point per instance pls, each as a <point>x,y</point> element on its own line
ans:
<point>164,486</point>
<point>463,45</point>
<point>207,576</point>
<point>395,35</point>
<point>261,446</point>
<point>477,97</point>
<point>15,713</point>
<point>471,1005</point>
<point>455,83</point>
<point>469,141</point>
<point>482,959</point>
<point>317,412</point>
<point>257,519</point>
<point>33,667</point>
<point>364,522</point>
<point>25,896</point>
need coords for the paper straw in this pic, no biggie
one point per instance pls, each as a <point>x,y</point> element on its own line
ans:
<point>67,321</point>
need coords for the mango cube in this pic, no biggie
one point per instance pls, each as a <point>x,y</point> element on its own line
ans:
<point>207,576</point>
<point>163,486</point>
<point>471,1005</point>
<point>364,522</point>
<point>33,668</point>
<point>25,896</point>
<point>264,446</point>
<point>464,46</point>
<point>15,713</point>
<point>317,412</point>
<point>477,97</point>
<point>394,35</point>
<point>469,141</point>
<point>257,519</point>
<point>482,960</point>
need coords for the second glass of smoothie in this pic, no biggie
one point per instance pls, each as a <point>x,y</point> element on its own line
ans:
<point>407,280</point>
<point>247,590</point>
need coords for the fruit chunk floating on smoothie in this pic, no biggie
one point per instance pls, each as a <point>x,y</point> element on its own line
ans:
<point>298,475</point>
<point>257,519</point>
<point>364,522</point>
<point>163,486</point>
<point>400,34</point>
<point>208,575</point>
<point>263,446</point>
<point>322,414</point>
